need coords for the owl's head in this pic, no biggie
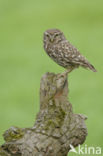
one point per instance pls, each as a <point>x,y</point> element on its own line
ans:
<point>53,36</point>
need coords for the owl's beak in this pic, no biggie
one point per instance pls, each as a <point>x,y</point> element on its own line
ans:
<point>52,38</point>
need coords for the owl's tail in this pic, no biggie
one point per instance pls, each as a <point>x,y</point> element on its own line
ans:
<point>90,66</point>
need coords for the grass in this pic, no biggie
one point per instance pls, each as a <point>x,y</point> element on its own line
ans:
<point>23,60</point>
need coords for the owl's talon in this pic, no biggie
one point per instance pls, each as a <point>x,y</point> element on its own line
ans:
<point>67,71</point>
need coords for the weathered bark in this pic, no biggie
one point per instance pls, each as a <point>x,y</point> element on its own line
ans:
<point>56,125</point>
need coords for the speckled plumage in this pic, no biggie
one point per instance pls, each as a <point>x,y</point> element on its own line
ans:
<point>63,52</point>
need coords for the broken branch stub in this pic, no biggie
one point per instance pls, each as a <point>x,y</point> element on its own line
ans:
<point>56,125</point>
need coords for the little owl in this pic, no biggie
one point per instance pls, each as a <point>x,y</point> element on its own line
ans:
<point>63,52</point>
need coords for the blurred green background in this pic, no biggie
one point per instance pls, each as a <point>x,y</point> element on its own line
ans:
<point>23,60</point>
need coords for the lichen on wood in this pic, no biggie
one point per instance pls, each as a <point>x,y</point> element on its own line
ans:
<point>56,125</point>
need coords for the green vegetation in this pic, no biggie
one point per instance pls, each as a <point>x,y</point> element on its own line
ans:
<point>23,60</point>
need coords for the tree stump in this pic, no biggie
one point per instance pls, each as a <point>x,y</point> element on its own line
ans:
<point>56,126</point>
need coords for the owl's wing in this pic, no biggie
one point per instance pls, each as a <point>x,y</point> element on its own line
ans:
<point>75,58</point>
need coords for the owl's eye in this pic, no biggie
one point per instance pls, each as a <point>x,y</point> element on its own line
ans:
<point>47,35</point>
<point>56,35</point>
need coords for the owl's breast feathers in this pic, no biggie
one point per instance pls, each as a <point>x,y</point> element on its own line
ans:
<point>59,53</point>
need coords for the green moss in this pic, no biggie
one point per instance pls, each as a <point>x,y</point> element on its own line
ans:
<point>14,133</point>
<point>56,121</point>
<point>51,123</point>
<point>62,113</point>
<point>3,153</point>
